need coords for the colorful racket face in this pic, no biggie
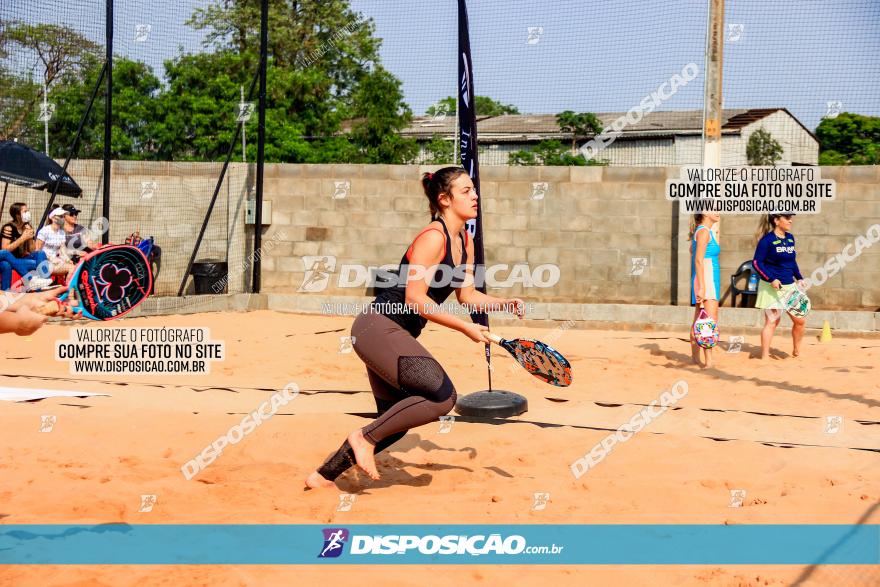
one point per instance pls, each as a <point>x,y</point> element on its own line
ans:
<point>797,303</point>
<point>539,359</point>
<point>110,282</point>
<point>706,331</point>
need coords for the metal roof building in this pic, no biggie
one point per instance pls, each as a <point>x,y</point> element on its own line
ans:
<point>658,139</point>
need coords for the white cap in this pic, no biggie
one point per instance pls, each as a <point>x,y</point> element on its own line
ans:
<point>57,212</point>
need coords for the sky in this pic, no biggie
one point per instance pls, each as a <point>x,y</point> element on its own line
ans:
<point>545,56</point>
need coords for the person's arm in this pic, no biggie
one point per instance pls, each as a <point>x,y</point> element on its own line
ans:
<point>797,270</point>
<point>22,322</point>
<point>426,252</point>
<point>702,240</point>
<point>15,301</point>
<point>760,256</point>
<point>89,239</point>
<point>39,242</point>
<point>7,243</point>
<point>477,301</point>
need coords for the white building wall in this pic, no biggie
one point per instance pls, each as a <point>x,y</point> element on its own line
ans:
<point>798,145</point>
<point>641,153</point>
<point>688,150</point>
<point>490,154</point>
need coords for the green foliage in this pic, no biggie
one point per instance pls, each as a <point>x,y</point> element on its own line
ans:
<point>581,126</point>
<point>135,112</point>
<point>485,107</point>
<point>849,139</point>
<point>522,157</point>
<point>323,70</point>
<point>18,108</point>
<point>381,114</point>
<point>326,35</point>
<point>551,153</point>
<point>554,152</point>
<point>763,149</point>
<point>59,48</point>
<point>439,151</point>
<point>63,54</point>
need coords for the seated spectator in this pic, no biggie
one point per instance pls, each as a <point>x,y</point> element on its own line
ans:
<point>52,240</point>
<point>78,239</point>
<point>18,251</point>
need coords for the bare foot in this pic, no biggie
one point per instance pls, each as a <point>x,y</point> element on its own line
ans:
<point>795,353</point>
<point>316,481</point>
<point>695,351</point>
<point>363,453</point>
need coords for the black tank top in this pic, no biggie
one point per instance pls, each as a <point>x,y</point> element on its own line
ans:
<point>391,301</point>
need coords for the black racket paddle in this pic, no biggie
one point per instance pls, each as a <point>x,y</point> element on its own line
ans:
<point>107,284</point>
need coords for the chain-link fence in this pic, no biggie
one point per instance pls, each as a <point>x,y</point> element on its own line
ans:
<point>558,83</point>
<point>804,73</point>
<point>171,103</point>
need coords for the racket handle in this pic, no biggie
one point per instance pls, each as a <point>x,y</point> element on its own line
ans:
<point>494,337</point>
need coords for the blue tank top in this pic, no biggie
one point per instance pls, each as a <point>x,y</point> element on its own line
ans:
<point>713,249</point>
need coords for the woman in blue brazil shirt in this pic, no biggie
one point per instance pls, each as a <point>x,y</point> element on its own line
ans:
<point>775,260</point>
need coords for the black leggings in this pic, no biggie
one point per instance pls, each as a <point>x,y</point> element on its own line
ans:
<point>410,387</point>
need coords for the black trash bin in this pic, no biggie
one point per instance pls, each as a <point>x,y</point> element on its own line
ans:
<point>209,276</point>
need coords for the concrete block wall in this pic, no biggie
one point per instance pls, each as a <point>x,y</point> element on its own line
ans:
<point>385,208</point>
<point>592,222</point>
<point>819,237</point>
<point>172,213</point>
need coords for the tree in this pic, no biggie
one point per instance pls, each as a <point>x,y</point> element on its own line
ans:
<point>324,69</point>
<point>136,111</point>
<point>551,152</point>
<point>849,139</point>
<point>581,126</point>
<point>485,107</point>
<point>381,114</point>
<point>326,35</point>
<point>763,149</point>
<point>18,115</point>
<point>62,52</point>
<point>439,151</point>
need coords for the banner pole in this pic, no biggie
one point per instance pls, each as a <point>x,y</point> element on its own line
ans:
<point>488,403</point>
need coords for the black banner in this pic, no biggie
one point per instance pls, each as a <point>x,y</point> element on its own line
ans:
<point>467,126</point>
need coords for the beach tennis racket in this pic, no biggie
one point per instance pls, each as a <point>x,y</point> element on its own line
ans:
<point>705,330</point>
<point>539,359</point>
<point>108,283</point>
<point>797,303</point>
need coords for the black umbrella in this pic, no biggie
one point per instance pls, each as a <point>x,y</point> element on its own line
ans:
<point>21,165</point>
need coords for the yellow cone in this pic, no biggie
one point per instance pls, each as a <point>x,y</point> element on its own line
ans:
<point>826,333</point>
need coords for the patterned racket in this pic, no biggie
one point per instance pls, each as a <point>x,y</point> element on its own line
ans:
<point>108,283</point>
<point>797,303</point>
<point>539,359</point>
<point>705,330</point>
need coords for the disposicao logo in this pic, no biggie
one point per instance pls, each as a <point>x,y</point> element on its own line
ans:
<point>334,540</point>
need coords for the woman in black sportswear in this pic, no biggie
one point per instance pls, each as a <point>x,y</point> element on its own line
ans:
<point>410,387</point>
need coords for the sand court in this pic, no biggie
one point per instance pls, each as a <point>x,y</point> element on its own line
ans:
<point>761,428</point>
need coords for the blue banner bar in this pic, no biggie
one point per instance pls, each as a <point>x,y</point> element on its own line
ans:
<point>219,544</point>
